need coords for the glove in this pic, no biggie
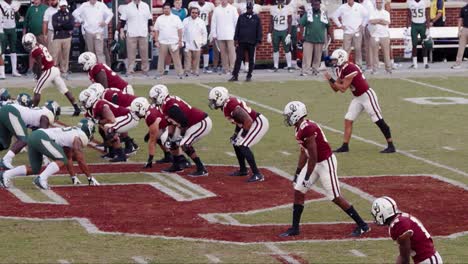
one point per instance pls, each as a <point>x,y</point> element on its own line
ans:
<point>295,179</point>
<point>287,39</point>
<point>75,180</point>
<point>149,163</point>
<point>232,139</point>
<point>146,138</point>
<point>307,183</point>
<point>238,140</point>
<point>92,181</point>
<point>269,38</point>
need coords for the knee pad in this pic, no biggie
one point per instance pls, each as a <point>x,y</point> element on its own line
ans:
<point>189,150</point>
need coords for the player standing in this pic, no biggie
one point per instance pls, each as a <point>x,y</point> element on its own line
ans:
<point>206,10</point>
<point>350,76</point>
<point>410,234</point>
<point>316,161</point>
<point>46,72</point>
<point>418,12</point>
<point>280,32</point>
<point>9,10</point>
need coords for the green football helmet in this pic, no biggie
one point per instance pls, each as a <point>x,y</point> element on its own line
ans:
<point>87,126</point>
<point>4,94</point>
<point>24,99</point>
<point>54,107</point>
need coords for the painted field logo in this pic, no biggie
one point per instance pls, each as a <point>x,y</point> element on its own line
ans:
<point>199,208</point>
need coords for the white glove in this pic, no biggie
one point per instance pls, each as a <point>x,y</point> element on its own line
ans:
<point>93,182</point>
<point>307,184</point>
<point>75,180</point>
<point>287,39</point>
<point>238,140</point>
<point>269,40</point>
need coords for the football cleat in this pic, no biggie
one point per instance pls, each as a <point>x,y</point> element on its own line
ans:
<point>131,150</point>
<point>4,181</point>
<point>256,178</point>
<point>342,149</point>
<point>75,180</point>
<point>358,231</point>
<point>40,183</point>
<point>173,169</point>
<point>248,79</point>
<point>5,165</point>
<point>389,149</point>
<point>93,182</point>
<point>121,158</point>
<point>199,173</point>
<point>426,66</point>
<point>238,173</point>
<point>290,232</point>
<point>233,79</point>
<point>108,156</point>
<point>168,159</point>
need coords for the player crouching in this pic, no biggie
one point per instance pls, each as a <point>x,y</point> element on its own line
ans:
<point>61,146</point>
<point>316,161</point>
<point>410,234</point>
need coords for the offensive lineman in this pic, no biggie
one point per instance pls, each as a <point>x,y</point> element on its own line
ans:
<point>411,236</point>
<point>350,76</point>
<point>280,32</point>
<point>418,12</point>
<point>251,126</point>
<point>46,72</point>
<point>316,160</point>
<point>206,10</point>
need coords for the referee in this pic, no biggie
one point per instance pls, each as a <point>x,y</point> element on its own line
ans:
<point>248,34</point>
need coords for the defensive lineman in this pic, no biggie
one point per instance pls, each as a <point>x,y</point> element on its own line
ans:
<point>280,32</point>
<point>350,76</point>
<point>316,161</point>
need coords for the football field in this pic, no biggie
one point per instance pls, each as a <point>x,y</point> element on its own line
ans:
<point>143,216</point>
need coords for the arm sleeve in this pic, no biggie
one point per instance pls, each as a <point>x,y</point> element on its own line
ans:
<point>108,14</point>
<point>177,115</point>
<point>76,14</point>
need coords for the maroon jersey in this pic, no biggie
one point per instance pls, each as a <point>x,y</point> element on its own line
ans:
<point>231,104</point>
<point>113,80</point>
<point>153,114</point>
<point>116,96</point>
<point>116,110</point>
<point>308,129</point>
<point>193,114</point>
<point>359,84</point>
<point>422,246</point>
<point>40,51</point>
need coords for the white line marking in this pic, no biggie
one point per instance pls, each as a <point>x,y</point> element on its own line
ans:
<point>434,86</point>
<point>22,196</point>
<point>213,258</point>
<point>285,153</point>
<point>63,261</point>
<point>405,153</point>
<point>357,253</point>
<point>190,190</point>
<point>358,191</point>
<point>168,191</point>
<point>232,154</point>
<point>54,197</point>
<point>231,220</point>
<point>448,148</point>
<point>282,254</point>
<point>140,260</point>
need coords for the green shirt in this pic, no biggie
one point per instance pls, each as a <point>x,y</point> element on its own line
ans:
<point>314,31</point>
<point>34,18</point>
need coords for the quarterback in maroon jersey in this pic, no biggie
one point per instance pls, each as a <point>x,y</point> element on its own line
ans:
<point>45,71</point>
<point>350,76</point>
<point>412,237</point>
<point>250,129</point>
<point>187,125</point>
<point>316,161</point>
<point>103,74</point>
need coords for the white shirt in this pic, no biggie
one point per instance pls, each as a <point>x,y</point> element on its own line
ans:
<point>9,21</point>
<point>50,11</point>
<point>137,19</point>
<point>418,11</point>
<point>168,27</point>
<point>351,17</point>
<point>204,10</point>
<point>32,116</point>
<point>243,8</point>
<point>65,136</point>
<point>195,35</point>
<point>369,5</point>
<point>92,15</point>
<point>378,30</point>
<point>223,22</point>
<point>120,10</point>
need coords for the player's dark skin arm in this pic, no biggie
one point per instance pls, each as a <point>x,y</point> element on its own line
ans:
<point>44,122</point>
<point>271,24</point>
<point>428,20</point>
<point>408,18</point>
<point>37,97</point>
<point>79,155</point>
<point>102,79</point>
<point>311,146</point>
<point>69,154</point>
<point>107,116</point>
<point>153,136</point>
<point>404,243</point>
<point>289,24</point>
<point>242,117</point>
<point>340,85</point>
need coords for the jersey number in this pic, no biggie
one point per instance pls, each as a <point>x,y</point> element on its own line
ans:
<point>109,69</point>
<point>279,20</point>
<point>46,53</point>
<point>414,219</point>
<point>204,16</point>
<point>415,13</point>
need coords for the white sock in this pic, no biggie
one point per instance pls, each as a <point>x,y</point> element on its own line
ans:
<point>288,59</point>
<point>14,60</point>
<point>125,61</point>
<point>246,66</point>
<point>8,158</point>
<point>206,60</point>
<point>392,61</point>
<point>415,62</point>
<point>167,68</point>
<point>2,71</point>
<point>51,169</point>
<point>17,171</point>
<point>425,60</point>
<point>275,59</point>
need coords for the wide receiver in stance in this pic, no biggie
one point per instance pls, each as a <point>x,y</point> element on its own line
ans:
<point>412,238</point>
<point>316,160</point>
<point>350,76</point>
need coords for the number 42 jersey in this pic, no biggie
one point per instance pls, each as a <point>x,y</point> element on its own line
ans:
<point>280,17</point>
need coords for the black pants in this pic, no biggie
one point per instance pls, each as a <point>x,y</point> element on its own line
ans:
<point>240,54</point>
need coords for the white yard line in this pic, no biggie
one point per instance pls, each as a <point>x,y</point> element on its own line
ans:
<point>213,258</point>
<point>404,153</point>
<point>285,153</point>
<point>434,87</point>
<point>63,261</point>
<point>282,254</point>
<point>140,260</point>
<point>448,148</point>
<point>54,197</point>
<point>357,253</point>
<point>231,154</point>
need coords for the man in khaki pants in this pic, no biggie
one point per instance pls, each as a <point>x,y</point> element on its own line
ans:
<point>380,37</point>
<point>63,24</point>
<point>168,38</point>
<point>463,35</point>
<point>315,23</point>
<point>195,37</point>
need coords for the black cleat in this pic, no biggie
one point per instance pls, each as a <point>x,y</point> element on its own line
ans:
<point>168,159</point>
<point>108,156</point>
<point>248,79</point>
<point>360,230</point>
<point>233,79</point>
<point>199,173</point>
<point>426,66</point>
<point>77,112</point>
<point>256,178</point>
<point>122,158</point>
<point>185,163</point>
<point>290,232</point>
<point>173,169</point>
<point>342,149</point>
<point>389,149</point>
<point>238,173</point>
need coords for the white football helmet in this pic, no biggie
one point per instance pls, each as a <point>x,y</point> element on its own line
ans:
<point>293,112</point>
<point>140,106</point>
<point>218,97</point>
<point>340,55</point>
<point>88,60</point>
<point>29,41</point>
<point>87,98</point>
<point>158,93</point>
<point>383,208</point>
<point>98,88</point>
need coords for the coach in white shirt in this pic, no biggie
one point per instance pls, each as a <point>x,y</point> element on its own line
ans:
<point>47,28</point>
<point>136,15</point>
<point>380,36</point>
<point>195,37</point>
<point>168,38</point>
<point>223,27</point>
<point>353,18</point>
<point>94,17</point>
